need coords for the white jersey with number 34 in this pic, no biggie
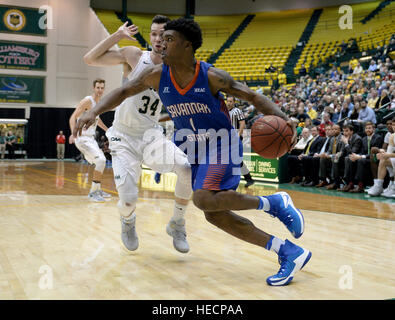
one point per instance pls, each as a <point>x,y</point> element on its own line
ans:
<point>138,113</point>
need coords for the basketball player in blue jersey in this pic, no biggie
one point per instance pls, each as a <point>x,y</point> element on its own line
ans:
<point>190,90</point>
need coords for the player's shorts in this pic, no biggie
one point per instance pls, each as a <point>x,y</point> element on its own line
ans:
<point>217,176</point>
<point>89,148</point>
<point>130,152</point>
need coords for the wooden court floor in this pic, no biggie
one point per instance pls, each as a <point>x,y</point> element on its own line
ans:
<point>55,244</point>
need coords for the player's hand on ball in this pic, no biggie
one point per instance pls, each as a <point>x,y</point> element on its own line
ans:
<point>84,122</point>
<point>127,32</point>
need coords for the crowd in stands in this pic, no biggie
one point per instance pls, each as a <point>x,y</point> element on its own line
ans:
<point>344,119</point>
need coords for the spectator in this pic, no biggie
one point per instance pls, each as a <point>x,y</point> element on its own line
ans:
<point>373,98</point>
<point>302,115</point>
<point>325,121</point>
<point>352,144</point>
<point>2,144</point>
<point>314,146</point>
<point>355,112</point>
<point>302,70</point>
<point>10,140</point>
<point>358,69</point>
<point>383,100</point>
<point>60,145</point>
<point>360,164</point>
<point>366,114</point>
<point>312,113</point>
<point>294,162</point>
<point>372,66</point>
<point>332,160</point>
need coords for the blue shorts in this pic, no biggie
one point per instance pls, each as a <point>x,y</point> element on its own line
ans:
<point>217,176</point>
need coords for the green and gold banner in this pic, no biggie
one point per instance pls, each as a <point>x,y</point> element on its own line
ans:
<point>22,55</point>
<point>262,169</point>
<point>22,89</point>
<point>22,20</point>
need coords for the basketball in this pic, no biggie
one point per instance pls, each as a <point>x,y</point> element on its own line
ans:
<point>271,137</point>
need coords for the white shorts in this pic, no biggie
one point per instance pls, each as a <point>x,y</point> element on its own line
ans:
<point>89,148</point>
<point>153,150</point>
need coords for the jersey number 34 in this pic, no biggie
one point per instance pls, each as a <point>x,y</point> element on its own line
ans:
<point>154,106</point>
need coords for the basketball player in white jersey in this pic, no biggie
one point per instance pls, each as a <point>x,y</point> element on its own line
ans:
<point>133,119</point>
<point>87,144</point>
<point>387,163</point>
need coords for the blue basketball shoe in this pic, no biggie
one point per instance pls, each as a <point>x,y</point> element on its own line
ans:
<point>157,177</point>
<point>292,258</point>
<point>282,207</point>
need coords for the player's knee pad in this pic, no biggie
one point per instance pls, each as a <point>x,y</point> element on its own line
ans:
<point>183,187</point>
<point>100,163</point>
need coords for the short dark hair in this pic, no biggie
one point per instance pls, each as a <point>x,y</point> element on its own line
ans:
<point>189,29</point>
<point>160,19</point>
<point>348,126</point>
<point>98,80</point>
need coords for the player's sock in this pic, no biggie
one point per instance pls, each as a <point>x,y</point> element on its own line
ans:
<point>96,185</point>
<point>274,244</point>
<point>264,204</point>
<point>179,211</point>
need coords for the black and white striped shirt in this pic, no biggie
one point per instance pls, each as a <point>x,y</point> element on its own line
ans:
<point>236,115</point>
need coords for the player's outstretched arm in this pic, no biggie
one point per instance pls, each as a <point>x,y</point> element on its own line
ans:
<point>220,80</point>
<point>149,78</point>
<point>103,55</point>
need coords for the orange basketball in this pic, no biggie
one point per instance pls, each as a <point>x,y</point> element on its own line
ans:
<point>271,137</point>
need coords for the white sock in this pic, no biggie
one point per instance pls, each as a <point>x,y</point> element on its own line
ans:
<point>95,186</point>
<point>274,244</point>
<point>179,211</point>
<point>264,204</point>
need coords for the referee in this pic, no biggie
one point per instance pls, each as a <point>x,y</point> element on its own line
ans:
<point>238,122</point>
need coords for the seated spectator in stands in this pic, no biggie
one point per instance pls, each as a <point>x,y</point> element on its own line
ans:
<point>312,113</point>
<point>308,123</point>
<point>294,163</point>
<point>336,113</point>
<point>315,162</point>
<point>386,163</point>
<point>384,100</point>
<point>352,144</point>
<point>332,160</point>
<point>372,98</point>
<point>358,69</point>
<point>355,112</point>
<point>325,121</point>
<point>366,114</point>
<point>302,115</point>
<point>372,66</point>
<point>352,64</point>
<point>259,89</point>
<point>302,70</point>
<point>313,147</point>
<point>345,112</point>
<point>360,166</point>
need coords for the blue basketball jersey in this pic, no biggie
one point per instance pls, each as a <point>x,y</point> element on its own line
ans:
<point>199,116</point>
